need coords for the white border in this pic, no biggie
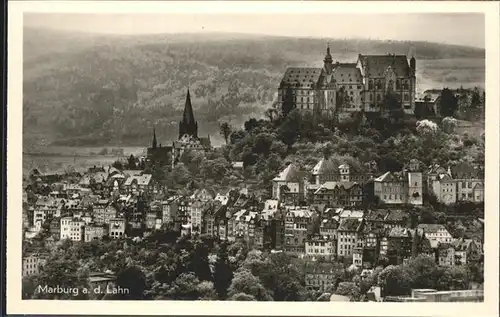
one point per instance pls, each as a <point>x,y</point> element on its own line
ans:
<point>15,305</point>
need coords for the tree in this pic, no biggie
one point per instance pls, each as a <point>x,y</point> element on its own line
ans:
<point>449,103</point>
<point>185,287</point>
<point>198,262</point>
<point>245,282</point>
<point>395,281</point>
<point>133,279</point>
<point>426,127</point>
<point>452,278</point>
<point>449,124</point>
<point>118,165</point>
<point>424,270</point>
<point>225,131</point>
<point>223,273</point>
<point>349,289</point>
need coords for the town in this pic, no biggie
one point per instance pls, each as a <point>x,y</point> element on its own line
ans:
<point>331,210</point>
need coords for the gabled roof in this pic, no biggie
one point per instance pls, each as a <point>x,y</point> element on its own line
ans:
<point>399,233</point>
<point>479,186</point>
<point>387,177</point>
<point>350,224</point>
<point>396,215</point>
<point>376,65</point>
<point>377,215</point>
<point>290,174</point>
<point>333,185</point>
<point>143,179</point>
<point>301,77</point>
<point>432,228</point>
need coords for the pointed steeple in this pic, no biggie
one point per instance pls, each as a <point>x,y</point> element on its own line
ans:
<point>154,138</point>
<point>328,61</point>
<point>188,125</point>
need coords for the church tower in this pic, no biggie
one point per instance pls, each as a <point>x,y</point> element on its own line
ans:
<point>188,125</point>
<point>154,139</point>
<point>328,61</point>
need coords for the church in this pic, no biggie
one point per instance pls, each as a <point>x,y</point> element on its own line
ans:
<point>187,140</point>
<point>344,88</point>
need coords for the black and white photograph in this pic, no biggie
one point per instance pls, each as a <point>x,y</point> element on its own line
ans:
<point>319,156</point>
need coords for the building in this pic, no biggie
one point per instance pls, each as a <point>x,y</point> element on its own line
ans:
<point>72,228</point>
<point>169,209</point>
<point>139,184</point>
<point>342,88</point>
<point>389,188</point>
<point>328,228</point>
<point>104,211</point>
<point>298,224</point>
<point>446,254</point>
<point>94,232</point>
<point>348,231</point>
<point>188,139</point>
<point>342,193</point>
<point>321,276</point>
<point>289,184</point>
<point>399,245</point>
<point>117,228</point>
<point>318,246</point>
<point>196,209</point>
<point>32,263</point>
<point>470,182</point>
<point>436,234</point>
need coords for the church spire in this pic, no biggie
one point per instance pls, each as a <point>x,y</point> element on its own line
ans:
<point>328,61</point>
<point>188,125</point>
<point>154,138</point>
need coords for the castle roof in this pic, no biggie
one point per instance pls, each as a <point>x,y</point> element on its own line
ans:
<point>350,224</point>
<point>376,65</point>
<point>347,73</point>
<point>301,77</point>
<point>333,185</point>
<point>387,177</point>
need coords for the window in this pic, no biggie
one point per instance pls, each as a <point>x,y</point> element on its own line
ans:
<point>378,97</point>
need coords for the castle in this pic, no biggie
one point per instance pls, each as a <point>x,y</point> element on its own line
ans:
<point>188,140</point>
<point>343,88</point>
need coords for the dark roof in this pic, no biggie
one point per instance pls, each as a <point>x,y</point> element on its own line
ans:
<point>350,224</point>
<point>321,268</point>
<point>396,215</point>
<point>205,142</point>
<point>376,65</point>
<point>301,77</point>
<point>345,73</point>
<point>291,174</point>
<point>377,215</point>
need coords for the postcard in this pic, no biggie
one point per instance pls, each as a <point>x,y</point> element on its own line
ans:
<point>244,158</point>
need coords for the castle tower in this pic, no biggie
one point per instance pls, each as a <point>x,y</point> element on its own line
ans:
<point>328,61</point>
<point>154,138</point>
<point>188,125</point>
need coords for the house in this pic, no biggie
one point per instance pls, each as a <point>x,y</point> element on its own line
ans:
<point>212,215</point>
<point>298,224</point>
<point>203,195</point>
<point>348,231</point>
<point>318,246</point>
<point>414,182</point>
<point>396,218</point>
<point>289,184</point>
<point>169,209</point>
<point>196,209</point>
<point>343,193</point>
<point>321,276</point>
<point>72,228</point>
<point>399,245</point>
<point>466,250</point>
<point>104,211</point>
<point>446,254</point>
<point>94,232</point>
<point>117,228</point>
<point>389,188</point>
<point>375,219</point>
<point>470,182</point>
<point>328,228</point>
<point>138,184</point>
<point>32,263</point>
<point>436,234</point>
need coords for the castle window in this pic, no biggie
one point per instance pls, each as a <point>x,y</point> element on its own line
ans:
<point>398,84</point>
<point>406,97</point>
<point>378,97</point>
<point>371,97</point>
<point>370,84</point>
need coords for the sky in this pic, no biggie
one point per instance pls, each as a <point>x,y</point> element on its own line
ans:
<point>449,28</point>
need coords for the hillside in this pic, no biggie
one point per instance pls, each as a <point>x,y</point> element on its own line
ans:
<point>88,89</point>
